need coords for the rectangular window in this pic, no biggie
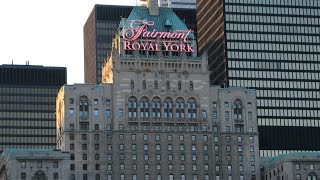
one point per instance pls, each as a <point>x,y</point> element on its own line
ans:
<point>84,167</point>
<point>226,115</point>
<point>23,164</point>
<point>157,137</point>
<point>214,104</point>
<point>97,156</point>
<point>253,168</point>
<point>311,167</point>
<point>181,137</point>
<point>215,115</point>
<point>95,101</point>
<point>71,146</point>
<point>134,157</point>
<point>84,156</point>
<point>145,137</point>
<point>251,148</point>
<point>228,148</point>
<point>240,148</point>
<point>250,115</point>
<point>227,129</point>
<point>55,176</point>
<point>298,177</point>
<point>251,139</point>
<point>133,137</point>
<point>23,176</point>
<point>109,157</point>
<point>84,136</point>
<point>205,138</point>
<point>96,127</point>
<point>71,111</point>
<point>229,168</point>
<point>96,112</point>
<point>120,112</point>
<point>84,146</point>
<point>108,102</point>
<point>226,104</point>
<point>108,113</point>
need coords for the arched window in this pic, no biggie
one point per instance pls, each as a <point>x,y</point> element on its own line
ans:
<point>144,107</point>
<point>237,109</point>
<point>132,84</point>
<point>168,85</point>
<point>144,84</point>
<point>132,107</point>
<point>83,106</point>
<point>191,85</point>
<point>168,108</point>
<point>39,175</point>
<point>179,85</point>
<point>192,110</point>
<point>179,108</point>
<point>312,176</point>
<point>156,108</point>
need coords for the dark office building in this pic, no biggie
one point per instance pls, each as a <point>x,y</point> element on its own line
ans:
<point>27,105</point>
<point>274,47</point>
<point>100,28</point>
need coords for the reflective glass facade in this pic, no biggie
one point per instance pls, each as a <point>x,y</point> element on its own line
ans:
<point>27,105</point>
<point>274,47</point>
<point>100,28</point>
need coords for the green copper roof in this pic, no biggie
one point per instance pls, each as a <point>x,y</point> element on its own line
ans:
<point>166,18</point>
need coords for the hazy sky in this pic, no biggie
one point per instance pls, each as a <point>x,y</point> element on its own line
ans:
<point>48,33</point>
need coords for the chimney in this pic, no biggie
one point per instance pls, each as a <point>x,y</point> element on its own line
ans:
<point>153,7</point>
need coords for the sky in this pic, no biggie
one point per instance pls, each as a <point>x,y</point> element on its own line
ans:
<point>48,33</point>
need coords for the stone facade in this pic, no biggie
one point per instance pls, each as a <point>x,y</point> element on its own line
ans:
<point>157,117</point>
<point>297,166</point>
<point>36,164</point>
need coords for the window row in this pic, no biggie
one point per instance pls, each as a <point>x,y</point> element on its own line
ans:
<point>156,85</point>
<point>156,108</point>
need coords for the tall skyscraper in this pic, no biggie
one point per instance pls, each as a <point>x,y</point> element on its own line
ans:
<point>272,46</point>
<point>101,27</point>
<point>27,105</point>
<point>155,116</point>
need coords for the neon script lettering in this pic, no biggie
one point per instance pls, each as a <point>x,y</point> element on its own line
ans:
<point>148,39</point>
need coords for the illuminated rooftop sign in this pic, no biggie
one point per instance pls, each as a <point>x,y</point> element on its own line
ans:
<point>139,38</point>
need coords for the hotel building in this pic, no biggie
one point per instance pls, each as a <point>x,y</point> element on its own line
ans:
<point>155,116</point>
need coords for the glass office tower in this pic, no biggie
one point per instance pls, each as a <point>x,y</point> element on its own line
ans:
<point>274,47</point>
<point>27,105</point>
<point>100,28</point>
